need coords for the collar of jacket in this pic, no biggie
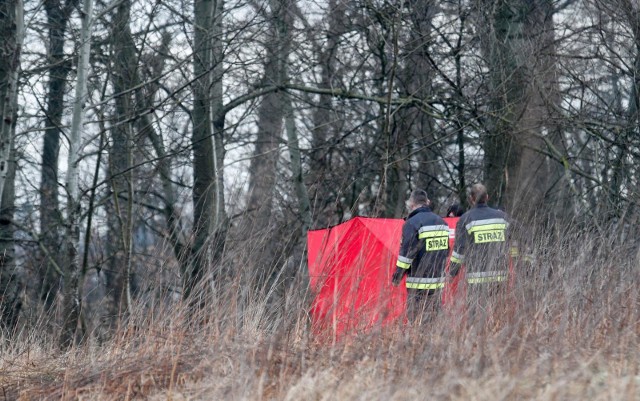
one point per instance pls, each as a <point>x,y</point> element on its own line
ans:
<point>479,205</point>
<point>421,209</point>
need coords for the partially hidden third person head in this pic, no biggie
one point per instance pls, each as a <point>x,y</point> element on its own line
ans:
<point>455,210</point>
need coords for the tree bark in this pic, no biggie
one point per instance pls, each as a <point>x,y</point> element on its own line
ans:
<point>321,191</point>
<point>71,299</point>
<point>12,32</point>
<point>120,244</point>
<point>209,216</point>
<point>517,47</point>
<point>51,220</point>
<point>414,133</point>
<point>262,170</point>
<point>293,145</point>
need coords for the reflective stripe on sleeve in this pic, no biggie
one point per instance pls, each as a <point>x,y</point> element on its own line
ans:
<point>420,283</point>
<point>457,258</point>
<point>404,262</point>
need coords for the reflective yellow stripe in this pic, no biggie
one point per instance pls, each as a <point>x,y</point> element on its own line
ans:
<point>403,265</point>
<point>429,234</point>
<point>485,227</point>
<point>514,251</point>
<point>479,280</point>
<point>456,260</point>
<point>486,222</point>
<point>425,286</point>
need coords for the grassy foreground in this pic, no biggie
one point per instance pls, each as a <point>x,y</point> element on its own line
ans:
<point>570,331</point>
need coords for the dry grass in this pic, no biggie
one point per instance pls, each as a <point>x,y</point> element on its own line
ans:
<point>572,335</point>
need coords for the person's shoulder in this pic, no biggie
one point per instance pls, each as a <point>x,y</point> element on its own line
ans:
<point>438,219</point>
<point>432,217</point>
<point>500,212</point>
<point>465,217</point>
<point>497,211</point>
<point>411,220</point>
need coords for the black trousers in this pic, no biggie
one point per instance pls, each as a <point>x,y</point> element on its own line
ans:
<point>484,300</point>
<point>422,305</point>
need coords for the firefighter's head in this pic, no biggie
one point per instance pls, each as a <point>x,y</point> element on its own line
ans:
<point>478,194</point>
<point>417,199</point>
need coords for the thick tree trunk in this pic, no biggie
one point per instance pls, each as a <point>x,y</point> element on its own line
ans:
<point>262,170</point>
<point>12,32</point>
<point>517,47</point>
<point>264,164</point>
<point>11,280</point>
<point>209,216</point>
<point>50,213</point>
<point>120,244</point>
<point>414,129</point>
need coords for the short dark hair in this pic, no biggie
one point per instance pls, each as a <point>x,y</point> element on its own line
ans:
<point>419,197</point>
<point>479,193</point>
<point>455,210</point>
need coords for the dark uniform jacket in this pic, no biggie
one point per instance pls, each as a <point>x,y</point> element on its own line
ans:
<point>482,245</point>
<point>424,249</point>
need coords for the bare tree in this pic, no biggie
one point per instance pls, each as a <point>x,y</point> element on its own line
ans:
<point>120,243</point>
<point>58,14</point>
<point>71,295</point>
<point>209,215</point>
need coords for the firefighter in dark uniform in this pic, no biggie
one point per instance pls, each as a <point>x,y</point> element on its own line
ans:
<point>423,254</point>
<point>482,245</point>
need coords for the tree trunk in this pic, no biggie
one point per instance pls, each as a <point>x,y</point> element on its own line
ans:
<point>50,213</point>
<point>262,170</point>
<point>71,282</point>
<point>523,85</point>
<point>414,132</point>
<point>209,216</point>
<point>304,205</point>
<point>120,244</point>
<point>12,30</point>
<point>321,192</point>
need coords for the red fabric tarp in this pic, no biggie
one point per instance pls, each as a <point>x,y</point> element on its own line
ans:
<point>350,268</point>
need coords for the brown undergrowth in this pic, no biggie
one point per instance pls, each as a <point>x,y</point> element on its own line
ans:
<point>570,329</point>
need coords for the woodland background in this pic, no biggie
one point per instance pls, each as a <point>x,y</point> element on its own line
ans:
<point>161,162</point>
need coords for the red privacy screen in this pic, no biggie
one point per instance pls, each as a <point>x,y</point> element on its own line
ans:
<point>350,268</point>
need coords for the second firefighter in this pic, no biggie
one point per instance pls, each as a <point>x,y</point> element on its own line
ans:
<point>423,254</point>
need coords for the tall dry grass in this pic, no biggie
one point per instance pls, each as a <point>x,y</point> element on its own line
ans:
<point>568,331</point>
